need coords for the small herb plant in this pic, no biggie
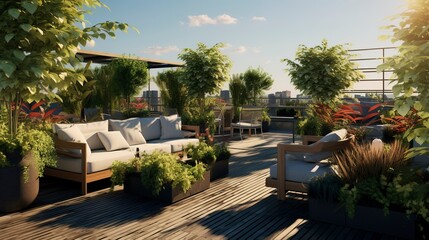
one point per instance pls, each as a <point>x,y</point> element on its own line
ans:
<point>157,170</point>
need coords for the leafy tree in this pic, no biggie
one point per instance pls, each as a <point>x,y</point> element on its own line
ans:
<point>238,92</point>
<point>206,70</point>
<point>38,44</point>
<point>256,82</point>
<point>173,92</point>
<point>322,71</point>
<point>411,67</point>
<point>102,94</point>
<point>129,77</point>
<point>77,95</point>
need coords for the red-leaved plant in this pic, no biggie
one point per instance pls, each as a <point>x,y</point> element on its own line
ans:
<point>353,113</point>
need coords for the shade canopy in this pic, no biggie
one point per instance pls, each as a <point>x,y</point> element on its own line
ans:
<point>103,58</point>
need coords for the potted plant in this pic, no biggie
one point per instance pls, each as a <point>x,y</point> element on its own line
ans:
<point>160,176</point>
<point>266,121</point>
<point>22,161</point>
<point>369,190</point>
<point>215,157</point>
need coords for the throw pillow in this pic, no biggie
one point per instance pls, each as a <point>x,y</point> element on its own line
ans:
<point>89,131</point>
<point>171,127</point>
<point>334,136</point>
<point>113,140</point>
<point>72,134</point>
<point>130,130</point>
<point>151,127</point>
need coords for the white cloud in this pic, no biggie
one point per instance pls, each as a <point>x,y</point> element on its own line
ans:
<point>159,50</point>
<point>90,43</point>
<point>240,49</point>
<point>226,19</point>
<point>196,21</point>
<point>260,19</point>
<point>227,46</point>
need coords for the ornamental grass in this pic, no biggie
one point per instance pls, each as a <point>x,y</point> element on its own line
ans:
<point>363,161</point>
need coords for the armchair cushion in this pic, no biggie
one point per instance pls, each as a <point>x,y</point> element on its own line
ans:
<point>333,136</point>
<point>299,171</point>
<point>130,130</point>
<point>113,140</point>
<point>171,127</point>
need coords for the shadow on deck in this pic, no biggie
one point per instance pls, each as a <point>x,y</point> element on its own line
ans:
<point>236,207</point>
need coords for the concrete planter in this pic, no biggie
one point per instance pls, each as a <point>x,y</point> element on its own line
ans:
<point>134,185</point>
<point>219,169</point>
<point>366,218</point>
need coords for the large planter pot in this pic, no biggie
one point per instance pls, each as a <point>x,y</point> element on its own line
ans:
<point>16,192</point>
<point>219,169</point>
<point>134,185</point>
<point>367,218</point>
<point>265,126</point>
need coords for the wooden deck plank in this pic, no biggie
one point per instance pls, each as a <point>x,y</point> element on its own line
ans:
<point>236,207</point>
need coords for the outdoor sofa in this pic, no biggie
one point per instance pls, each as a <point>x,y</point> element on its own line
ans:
<point>86,151</point>
<point>298,164</point>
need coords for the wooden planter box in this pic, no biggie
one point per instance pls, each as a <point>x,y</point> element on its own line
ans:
<point>133,185</point>
<point>366,218</point>
<point>219,169</point>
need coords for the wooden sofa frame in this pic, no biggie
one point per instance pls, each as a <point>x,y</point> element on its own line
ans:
<point>283,148</point>
<point>84,177</point>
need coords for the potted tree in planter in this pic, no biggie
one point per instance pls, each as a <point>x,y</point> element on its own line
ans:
<point>160,176</point>
<point>38,67</point>
<point>22,162</point>
<point>266,121</point>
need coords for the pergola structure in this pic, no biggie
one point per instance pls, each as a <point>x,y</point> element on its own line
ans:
<point>103,58</point>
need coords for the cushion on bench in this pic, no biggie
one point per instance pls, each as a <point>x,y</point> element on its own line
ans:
<point>300,171</point>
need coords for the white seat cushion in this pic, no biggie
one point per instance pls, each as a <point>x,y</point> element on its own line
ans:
<point>300,171</point>
<point>151,147</point>
<point>98,161</point>
<point>178,144</point>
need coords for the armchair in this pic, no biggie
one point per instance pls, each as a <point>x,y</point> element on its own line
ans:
<point>297,164</point>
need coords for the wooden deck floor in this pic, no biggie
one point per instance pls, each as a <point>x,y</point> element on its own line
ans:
<point>236,207</point>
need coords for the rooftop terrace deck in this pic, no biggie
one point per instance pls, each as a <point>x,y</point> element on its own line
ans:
<point>236,207</point>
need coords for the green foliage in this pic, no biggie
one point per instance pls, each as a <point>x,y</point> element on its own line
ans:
<point>129,77</point>
<point>410,67</point>
<point>39,142</point>
<point>265,117</point>
<point>239,96</point>
<point>38,42</point>
<point>256,81</point>
<point>206,69</point>
<point>76,96</point>
<point>221,151</point>
<point>202,153</point>
<point>322,71</point>
<point>173,92</point>
<point>103,95</point>
<point>193,115</point>
<point>157,170</point>
<point>326,187</point>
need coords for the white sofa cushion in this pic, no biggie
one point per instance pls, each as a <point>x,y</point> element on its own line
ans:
<point>98,161</point>
<point>177,144</point>
<point>73,134</point>
<point>130,130</point>
<point>299,171</point>
<point>171,127</point>
<point>113,140</point>
<point>151,147</point>
<point>89,130</point>
<point>151,128</point>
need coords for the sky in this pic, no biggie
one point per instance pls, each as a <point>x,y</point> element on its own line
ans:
<point>257,33</point>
